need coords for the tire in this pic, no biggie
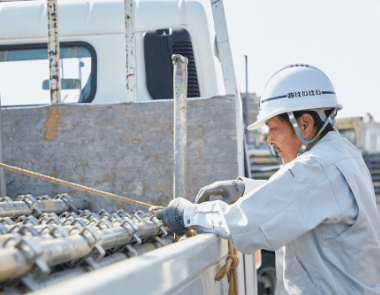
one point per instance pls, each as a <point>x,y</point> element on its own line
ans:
<point>266,274</point>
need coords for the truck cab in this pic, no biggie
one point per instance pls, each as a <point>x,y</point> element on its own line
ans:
<point>93,50</point>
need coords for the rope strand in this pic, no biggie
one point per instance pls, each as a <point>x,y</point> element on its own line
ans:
<point>230,268</point>
<point>74,185</point>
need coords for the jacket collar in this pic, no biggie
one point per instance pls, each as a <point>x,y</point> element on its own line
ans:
<point>330,136</point>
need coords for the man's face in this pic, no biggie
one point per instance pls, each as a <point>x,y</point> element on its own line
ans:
<point>283,138</point>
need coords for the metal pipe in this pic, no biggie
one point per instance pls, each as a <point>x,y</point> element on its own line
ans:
<point>180,124</point>
<point>29,251</point>
<point>18,208</point>
<point>130,52</point>
<point>66,274</point>
<point>53,52</point>
<point>3,184</point>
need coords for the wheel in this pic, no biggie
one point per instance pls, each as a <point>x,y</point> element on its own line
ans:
<point>266,274</point>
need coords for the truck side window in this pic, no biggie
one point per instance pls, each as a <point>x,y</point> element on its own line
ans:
<point>24,74</point>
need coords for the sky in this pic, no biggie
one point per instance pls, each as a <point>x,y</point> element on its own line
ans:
<point>340,37</point>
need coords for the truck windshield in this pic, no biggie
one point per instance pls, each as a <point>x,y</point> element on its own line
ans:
<point>24,74</point>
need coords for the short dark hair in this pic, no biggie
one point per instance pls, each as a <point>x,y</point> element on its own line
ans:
<point>318,123</point>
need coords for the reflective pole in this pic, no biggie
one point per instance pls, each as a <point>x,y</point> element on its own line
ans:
<point>180,124</point>
<point>53,51</point>
<point>130,52</point>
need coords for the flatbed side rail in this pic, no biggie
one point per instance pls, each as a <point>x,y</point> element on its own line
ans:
<point>186,267</point>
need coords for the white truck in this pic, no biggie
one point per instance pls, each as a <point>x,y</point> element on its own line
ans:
<point>93,51</point>
<point>116,138</point>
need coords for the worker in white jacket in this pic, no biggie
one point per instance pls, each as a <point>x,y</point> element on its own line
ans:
<point>317,212</point>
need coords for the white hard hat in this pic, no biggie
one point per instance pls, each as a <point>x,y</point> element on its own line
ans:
<point>294,88</point>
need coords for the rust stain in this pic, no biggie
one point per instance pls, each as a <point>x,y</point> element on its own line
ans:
<point>201,104</point>
<point>119,207</point>
<point>108,176</point>
<point>156,159</point>
<point>158,171</point>
<point>146,189</point>
<point>160,188</point>
<point>86,128</point>
<point>85,163</point>
<point>105,122</point>
<point>135,141</point>
<point>86,111</point>
<point>199,155</point>
<point>162,201</point>
<point>88,196</point>
<point>51,125</point>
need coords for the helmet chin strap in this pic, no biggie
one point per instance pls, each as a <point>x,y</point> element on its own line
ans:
<point>297,129</point>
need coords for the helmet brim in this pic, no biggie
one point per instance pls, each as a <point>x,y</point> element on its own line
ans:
<point>261,121</point>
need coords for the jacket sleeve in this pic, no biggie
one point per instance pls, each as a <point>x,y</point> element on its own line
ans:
<point>294,201</point>
<point>251,184</point>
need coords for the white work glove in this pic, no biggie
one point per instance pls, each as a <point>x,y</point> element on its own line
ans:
<point>230,190</point>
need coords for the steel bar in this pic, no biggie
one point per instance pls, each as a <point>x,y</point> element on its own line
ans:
<point>180,124</point>
<point>130,52</point>
<point>27,204</point>
<point>53,51</point>
<point>20,255</point>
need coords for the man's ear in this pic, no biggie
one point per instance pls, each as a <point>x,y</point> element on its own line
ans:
<point>306,123</point>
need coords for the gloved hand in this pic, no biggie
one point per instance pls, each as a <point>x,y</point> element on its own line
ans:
<point>172,215</point>
<point>230,190</point>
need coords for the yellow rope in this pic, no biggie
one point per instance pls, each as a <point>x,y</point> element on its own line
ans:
<point>80,187</point>
<point>230,268</point>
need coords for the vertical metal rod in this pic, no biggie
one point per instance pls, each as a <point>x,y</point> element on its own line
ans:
<point>3,184</point>
<point>230,83</point>
<point>180,124</point>
<point>246,74</point>
<point>232,87</point>
<point>245,101</point>
<point>53,51</point>
<point>130,52</point>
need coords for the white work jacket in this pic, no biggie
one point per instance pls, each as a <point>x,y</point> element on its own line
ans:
<point>317,212</point>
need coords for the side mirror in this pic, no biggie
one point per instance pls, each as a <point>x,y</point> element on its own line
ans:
<point>66,84</point>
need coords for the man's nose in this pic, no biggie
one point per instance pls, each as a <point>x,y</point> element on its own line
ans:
<point>270,140</point>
